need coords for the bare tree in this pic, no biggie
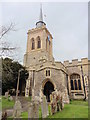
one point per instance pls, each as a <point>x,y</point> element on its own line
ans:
<point>6,29</point>
<point>5,47</point>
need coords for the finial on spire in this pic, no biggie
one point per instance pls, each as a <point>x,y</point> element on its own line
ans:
<point>40,23</point>
<point>41,15</point>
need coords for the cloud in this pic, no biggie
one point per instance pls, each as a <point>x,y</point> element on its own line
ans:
<point>67,22</point>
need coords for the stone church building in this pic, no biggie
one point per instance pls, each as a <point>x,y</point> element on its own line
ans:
<point>47,75</point>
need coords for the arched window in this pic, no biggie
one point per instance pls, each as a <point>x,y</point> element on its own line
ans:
<point>79,84</point>
<point>47,44</point>
<point>75,82</point>
<point>38,42</point>
<point>33,44</point>
<point>72,87</point>
<point>47,72</point>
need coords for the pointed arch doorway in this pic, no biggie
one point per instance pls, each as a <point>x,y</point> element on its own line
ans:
<point>48,89</point>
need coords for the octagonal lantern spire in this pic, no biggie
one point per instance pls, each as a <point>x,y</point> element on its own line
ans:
<point>40,23</point>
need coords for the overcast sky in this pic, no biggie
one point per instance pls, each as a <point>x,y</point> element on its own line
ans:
<point>67,22</point>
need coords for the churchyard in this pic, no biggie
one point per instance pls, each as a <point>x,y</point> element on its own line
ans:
<point>36,109</point>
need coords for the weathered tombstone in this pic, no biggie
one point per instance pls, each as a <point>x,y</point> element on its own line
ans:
<point>53,103</point>
<point>44,107</point>
<point>62,103</point>
<point>4,116</point>
<point>10,98</point>
<point>58,102</point>
<point>17,109</point>
<point>65,97</point>
<point>6,94</point>
<point>33,111</point>
<point>30,111</point>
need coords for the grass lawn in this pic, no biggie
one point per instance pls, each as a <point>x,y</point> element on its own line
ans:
<point>7,103</point>
<point>76,109</point>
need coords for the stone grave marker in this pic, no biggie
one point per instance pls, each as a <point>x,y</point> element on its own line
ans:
<point>62,103</point>
<point>10,98</point>
<point>53,106</point>
<point>33,111</point>
<point>17,109</point>
<point>44,107</point>
<point>6,94</point>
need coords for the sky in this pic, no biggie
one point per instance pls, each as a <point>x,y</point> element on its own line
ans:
<point>66,21</point>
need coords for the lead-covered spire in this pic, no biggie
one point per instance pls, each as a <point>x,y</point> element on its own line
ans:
<point>41,15</point>
<point>40,23</point>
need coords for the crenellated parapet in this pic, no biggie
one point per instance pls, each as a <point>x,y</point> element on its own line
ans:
<point>76,62</point>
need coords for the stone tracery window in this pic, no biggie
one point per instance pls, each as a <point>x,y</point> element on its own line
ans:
<point>33,44</point>
<point>38,42</point>
<point>79,84</point>
<point>75,82</point>
<point>72,87</point>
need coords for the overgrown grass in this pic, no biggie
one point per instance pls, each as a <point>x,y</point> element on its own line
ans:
<point>76,109</point>
<point>24,115</point>
<point>79,102</point>
<point>7,103</point>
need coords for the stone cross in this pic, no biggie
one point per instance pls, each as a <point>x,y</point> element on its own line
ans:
<point>44,107</point>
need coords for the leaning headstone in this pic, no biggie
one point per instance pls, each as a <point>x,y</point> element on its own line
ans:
<point>44,107</point>
<point>58,102</point>
<point>53,105</point>
<point>33,111</point>
<point>30,111</point>
<point>62,103</point>
<point>17,109</point>
<point>6,94</point>
<point>10,98</point>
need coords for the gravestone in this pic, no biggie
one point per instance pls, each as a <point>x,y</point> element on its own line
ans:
<point>62,103</point>
<point>53,106</point>
<point>10,98</point>
<point>53,103</point>
<point>57,103</point>
<point>44,107</point>
<point>6,94</point>
<point>17,109</point>
<point>33,111</point>
<point>4,116</point>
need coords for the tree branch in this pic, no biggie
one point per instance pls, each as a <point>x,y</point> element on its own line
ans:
<point>4,30</point>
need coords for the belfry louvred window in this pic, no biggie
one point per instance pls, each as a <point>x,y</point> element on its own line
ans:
<point>33,44</point>
<point>38,42</point>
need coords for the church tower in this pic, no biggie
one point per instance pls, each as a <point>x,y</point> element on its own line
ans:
<point>39,44</point>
